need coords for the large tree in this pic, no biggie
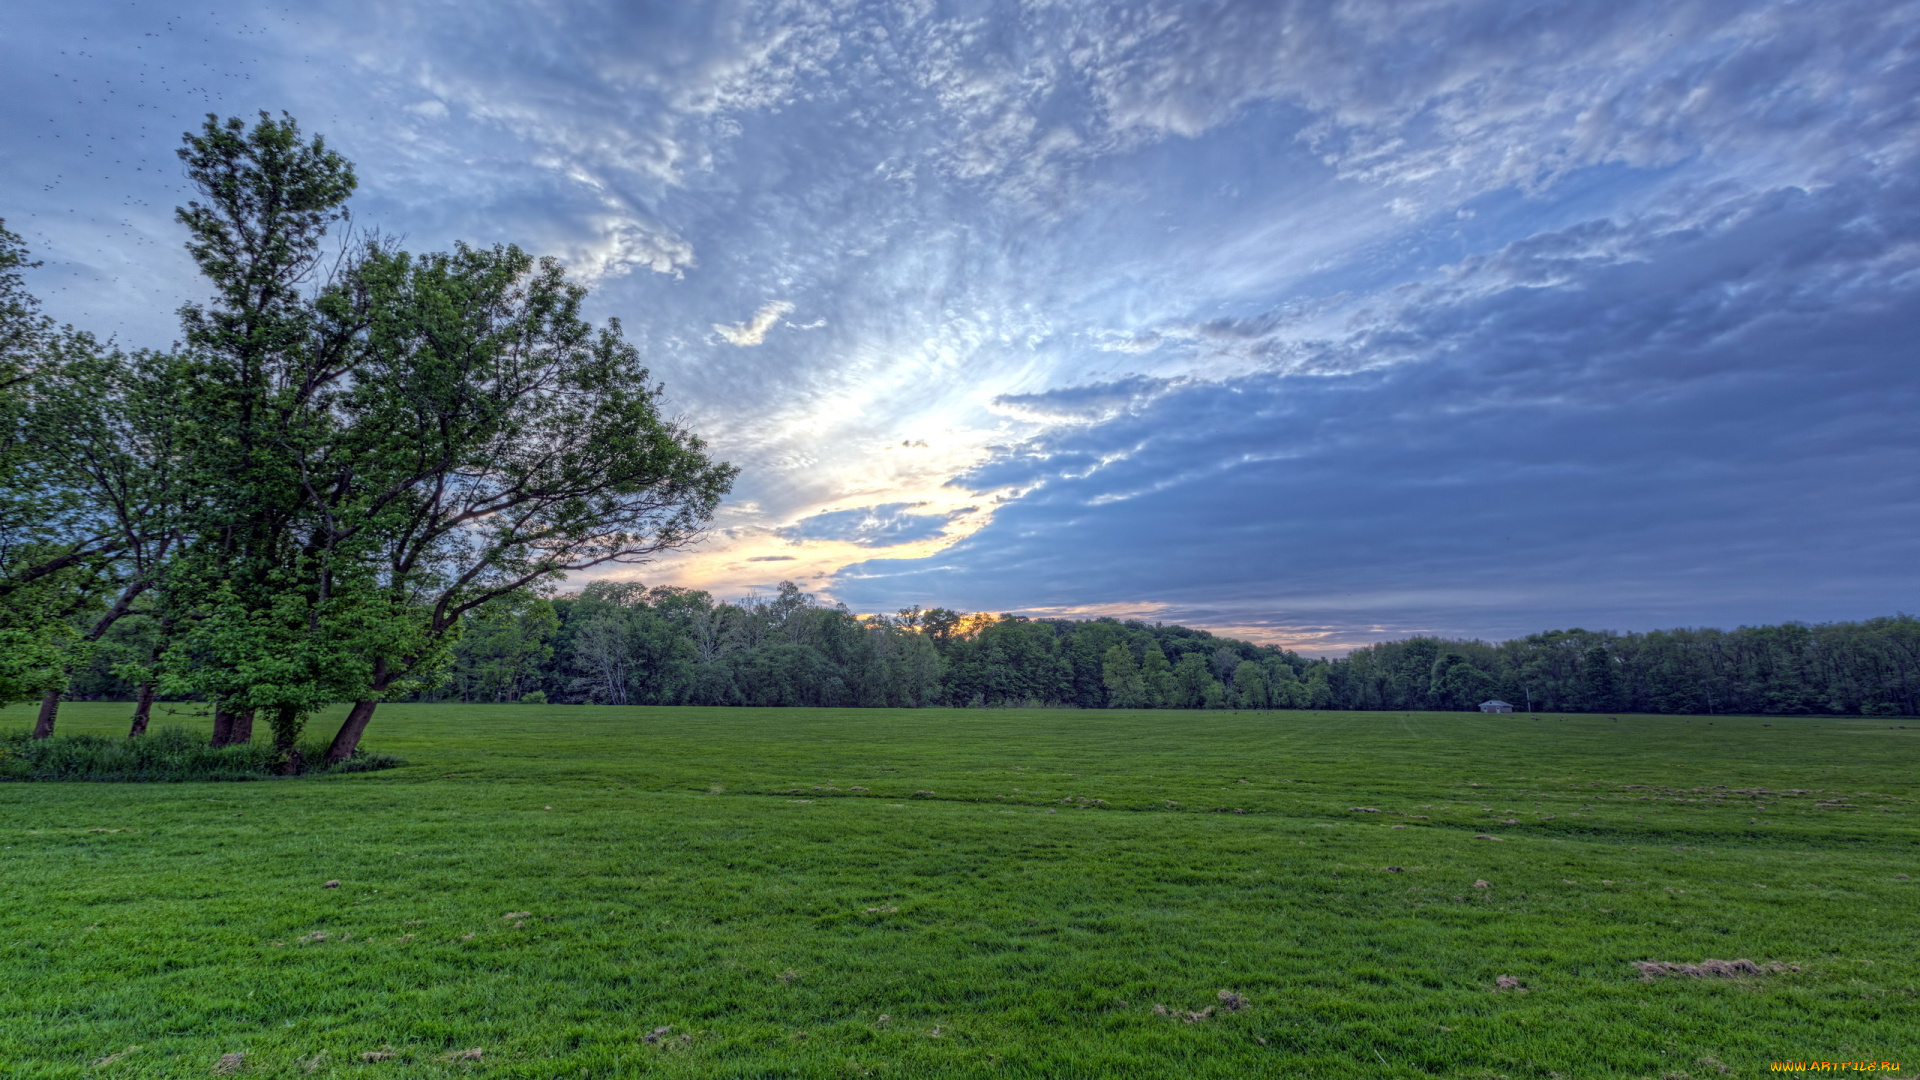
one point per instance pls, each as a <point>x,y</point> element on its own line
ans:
<point>505,442</point>
<point>392,442</point>
<point>269,615</point>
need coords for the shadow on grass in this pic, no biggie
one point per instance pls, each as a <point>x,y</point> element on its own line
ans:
<point>170,754</point>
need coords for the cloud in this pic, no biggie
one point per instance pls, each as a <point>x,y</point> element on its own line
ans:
<point>1129,343</point>
<point>1460,96</point>
<point>622,243</point>
<point>754,330</point>
<point>886,525</point>
<point>1643,422</point>
<point>1084,404</point>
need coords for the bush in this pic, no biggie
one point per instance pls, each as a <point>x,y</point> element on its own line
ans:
<point>534,697</point>
<point>168,754</point>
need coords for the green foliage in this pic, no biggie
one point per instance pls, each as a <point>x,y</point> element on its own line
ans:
<point>170,754</point>
<point>628,644</point>
<point>1457,684</point>
<point>56,547</point>
<point>284,608</point>
<point>38,636</point>
<point>1011,660</point>
<point>1194,686</point>
<point>270,198</point>
<point>503,648</point>
<point>1318,691</point>
<point>1250,686</point>
<point>680,880</point>
<point>1867,668</point>
<point>623,643</point>
<point>1157,676</point>
<point>1125,688</point>
<point>23,328</point>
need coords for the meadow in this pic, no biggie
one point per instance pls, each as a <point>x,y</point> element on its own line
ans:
<point>582,891</point>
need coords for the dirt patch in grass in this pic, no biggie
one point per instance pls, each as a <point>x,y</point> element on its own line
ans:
<point>1708,969</point>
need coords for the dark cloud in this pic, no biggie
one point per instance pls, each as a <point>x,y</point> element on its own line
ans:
<point>1085,404</point>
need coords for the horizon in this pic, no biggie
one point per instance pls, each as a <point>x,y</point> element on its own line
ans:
<point>1324,652</point>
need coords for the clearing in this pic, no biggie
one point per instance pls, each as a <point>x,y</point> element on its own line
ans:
<point>597,892</point>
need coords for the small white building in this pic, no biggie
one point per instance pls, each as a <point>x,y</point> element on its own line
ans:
<point>1495,706</point>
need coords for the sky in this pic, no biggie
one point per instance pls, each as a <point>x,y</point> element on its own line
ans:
<point>1312,323</point>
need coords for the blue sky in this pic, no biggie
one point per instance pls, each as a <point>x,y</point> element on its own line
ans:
<point>1318,323</point>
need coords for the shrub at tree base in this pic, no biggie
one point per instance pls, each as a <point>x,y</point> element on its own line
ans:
<point>169,755</point>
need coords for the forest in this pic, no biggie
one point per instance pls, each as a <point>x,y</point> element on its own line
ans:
<point>626,644</point>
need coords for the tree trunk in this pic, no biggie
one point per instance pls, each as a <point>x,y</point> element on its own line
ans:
<point>285,739</point>
<point>355,725</point>
<point>142,710</point>
<point>222,726</point>
<point>242,732</point>
<point>49,709</point>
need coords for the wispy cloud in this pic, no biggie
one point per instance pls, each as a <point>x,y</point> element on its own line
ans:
<point>888,525</point>
<point>754,330</point>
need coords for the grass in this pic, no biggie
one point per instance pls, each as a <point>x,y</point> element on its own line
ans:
<point>565,891</point>
<point>168,754</point>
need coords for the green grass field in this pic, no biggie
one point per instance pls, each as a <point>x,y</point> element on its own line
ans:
<point>576,891</point>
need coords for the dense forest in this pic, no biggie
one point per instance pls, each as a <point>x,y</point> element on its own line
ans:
<point>625,644</point>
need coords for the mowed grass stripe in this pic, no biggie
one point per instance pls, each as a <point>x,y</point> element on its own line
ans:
<point>678,881</point>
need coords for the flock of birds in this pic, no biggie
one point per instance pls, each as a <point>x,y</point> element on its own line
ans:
<point>105,94</point>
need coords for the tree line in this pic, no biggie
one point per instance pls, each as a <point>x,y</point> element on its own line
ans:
<point>627,644</point>
<point>349,451</point>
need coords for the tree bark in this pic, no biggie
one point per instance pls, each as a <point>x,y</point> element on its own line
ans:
<point>222,726</point>
<point>355,725</point>
<point>142,710</point>
<point>242,732</point>
<point>49,709</point>
<point>284,739</point>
